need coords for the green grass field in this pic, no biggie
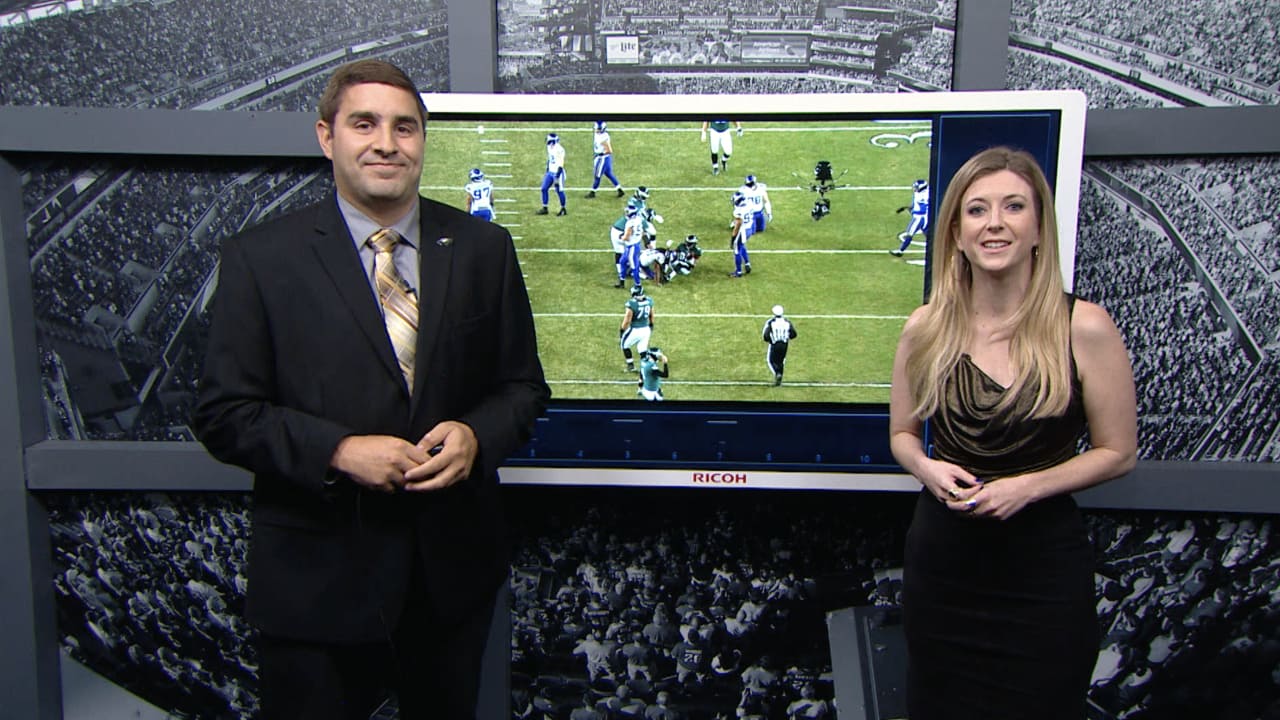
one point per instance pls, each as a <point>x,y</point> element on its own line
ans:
<point>843,291</point>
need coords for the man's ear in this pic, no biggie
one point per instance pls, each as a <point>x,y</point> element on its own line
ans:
<point>324,135</point>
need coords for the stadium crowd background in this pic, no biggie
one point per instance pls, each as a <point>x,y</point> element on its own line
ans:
<point>199,52</point>
<point>1196,299</point>
<point>1224,50</point>
<point>150,589</point>
<point>879,46</point>
<point>149,586</point>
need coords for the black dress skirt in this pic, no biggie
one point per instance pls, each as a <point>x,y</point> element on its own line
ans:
<point>999,616</point>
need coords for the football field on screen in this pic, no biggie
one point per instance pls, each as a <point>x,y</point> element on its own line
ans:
<point>840,287</point>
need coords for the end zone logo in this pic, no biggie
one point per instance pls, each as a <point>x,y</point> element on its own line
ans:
<point>719,478</point>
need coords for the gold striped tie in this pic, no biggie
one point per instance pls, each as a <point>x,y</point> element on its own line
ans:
<point>399,304</point>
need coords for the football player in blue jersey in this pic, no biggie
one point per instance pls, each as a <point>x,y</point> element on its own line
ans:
<point>602,159</point>
<point>757,194</point>
<point>919,216</point>
<point>637,325</point>
<point>738,237</point>
<point>554,175</point>
<point>479,195</point>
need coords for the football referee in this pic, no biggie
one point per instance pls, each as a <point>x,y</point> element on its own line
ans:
<point>778,332</point>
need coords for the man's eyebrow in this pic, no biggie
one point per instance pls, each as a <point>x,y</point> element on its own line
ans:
<point>370,115</point>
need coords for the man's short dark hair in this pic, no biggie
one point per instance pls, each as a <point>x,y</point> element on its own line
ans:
<point>359,73</point>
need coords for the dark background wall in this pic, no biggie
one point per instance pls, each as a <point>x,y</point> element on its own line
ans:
<point>1180,195</point>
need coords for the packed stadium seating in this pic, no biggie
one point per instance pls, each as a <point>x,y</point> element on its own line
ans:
<point>1222,56</point>
<point>150,587</point>
<point>194,51</point>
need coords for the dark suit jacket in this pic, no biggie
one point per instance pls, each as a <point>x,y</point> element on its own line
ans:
<point>299,358</point>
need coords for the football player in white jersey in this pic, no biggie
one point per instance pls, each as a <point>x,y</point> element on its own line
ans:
<point>738,237</point>
<point>721,142</point>
<point>651,218</point>
<point>919,216</point>
<point>652,260</point>
<point>616,232</point>
<point>757,194</point>
<point>632,233</point>
<point>479,195</point>
<point>554,175</point>
<point>602,159</point>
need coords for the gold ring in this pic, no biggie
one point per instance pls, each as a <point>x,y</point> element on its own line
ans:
<point>954,495</point>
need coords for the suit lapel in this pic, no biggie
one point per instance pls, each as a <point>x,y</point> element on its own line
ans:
<point>435,267</point>
<point>337,254</point>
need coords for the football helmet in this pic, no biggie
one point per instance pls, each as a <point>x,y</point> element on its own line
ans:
<point>477,174</point>
<point>750,181</point>
<point>739,199</point>
<point>637,290</point>
<point>641,193</point>
<point>630,211</point>
<point>654,352</point>
<point>692,239</point>
<point>601,125</point>
<point>919,185</point>
<point>552,138</point>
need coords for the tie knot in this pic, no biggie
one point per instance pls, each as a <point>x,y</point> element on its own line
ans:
<point>384,240</point>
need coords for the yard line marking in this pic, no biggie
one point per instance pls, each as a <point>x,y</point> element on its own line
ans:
<point>724,316</point>
<point>691,127</point>
<point>717,251</point>
<point>726,190</point>
<point>725,383</point>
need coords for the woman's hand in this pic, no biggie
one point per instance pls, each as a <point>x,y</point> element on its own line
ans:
<point>951,484</point>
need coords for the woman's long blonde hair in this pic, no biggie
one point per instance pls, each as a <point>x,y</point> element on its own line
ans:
<point>1040,330</point>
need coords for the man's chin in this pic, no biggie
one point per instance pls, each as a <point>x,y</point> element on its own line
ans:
<point>388,191</point>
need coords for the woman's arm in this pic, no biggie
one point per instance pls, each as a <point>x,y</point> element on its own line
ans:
<point>947,482</point>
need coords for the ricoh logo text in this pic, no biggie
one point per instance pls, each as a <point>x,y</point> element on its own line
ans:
<point>719,478</point>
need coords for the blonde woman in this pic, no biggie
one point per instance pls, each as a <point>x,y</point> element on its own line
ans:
<point>1008,369</point>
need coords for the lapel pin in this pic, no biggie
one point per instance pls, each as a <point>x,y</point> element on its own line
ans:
<point>444,241</point>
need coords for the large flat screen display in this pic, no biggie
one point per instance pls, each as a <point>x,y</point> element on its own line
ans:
<point>841,174</point>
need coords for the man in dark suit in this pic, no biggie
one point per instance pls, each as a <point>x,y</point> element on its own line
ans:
<point>378,544</point>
